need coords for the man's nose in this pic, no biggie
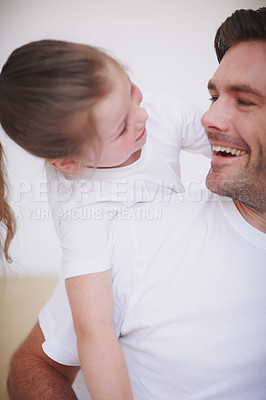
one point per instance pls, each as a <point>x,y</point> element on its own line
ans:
<point>217,117</point>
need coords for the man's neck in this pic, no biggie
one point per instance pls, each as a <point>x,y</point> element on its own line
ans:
<point>253,217</point>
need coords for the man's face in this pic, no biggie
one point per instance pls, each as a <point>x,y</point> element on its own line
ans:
<point>236,125</point>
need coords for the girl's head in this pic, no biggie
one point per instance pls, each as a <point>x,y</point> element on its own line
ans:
<point>50,96</point>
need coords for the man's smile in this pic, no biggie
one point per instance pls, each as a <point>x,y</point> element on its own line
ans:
<point>227,151</point>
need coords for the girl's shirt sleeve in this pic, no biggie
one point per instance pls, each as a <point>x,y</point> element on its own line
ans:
<point>86,240</point>
<point>175,125</point>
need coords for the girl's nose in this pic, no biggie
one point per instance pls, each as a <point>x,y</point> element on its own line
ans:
<point>141,118</point>
<point>137,93</point>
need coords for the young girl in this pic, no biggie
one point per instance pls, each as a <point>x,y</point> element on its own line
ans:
<point>75,106</point>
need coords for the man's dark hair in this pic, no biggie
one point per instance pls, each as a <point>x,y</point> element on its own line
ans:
<point>241,26</point>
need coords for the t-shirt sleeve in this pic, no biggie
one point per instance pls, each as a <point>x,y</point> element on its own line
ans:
<point>194,138</point>
<point>86,241</point>
<point>175,125</point>
<point>56,323</point>
<point>55,320</point>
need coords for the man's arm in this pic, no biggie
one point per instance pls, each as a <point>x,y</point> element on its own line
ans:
<point>33,375</point>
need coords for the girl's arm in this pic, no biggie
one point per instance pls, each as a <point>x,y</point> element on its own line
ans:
<point>101,358</point>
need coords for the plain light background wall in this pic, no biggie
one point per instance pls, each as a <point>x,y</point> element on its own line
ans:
<point>167,46</point>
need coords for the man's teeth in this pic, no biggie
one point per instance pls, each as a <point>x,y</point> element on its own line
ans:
<point>228,150</point>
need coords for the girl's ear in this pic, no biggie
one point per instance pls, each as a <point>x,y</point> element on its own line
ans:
<point>66,165</point>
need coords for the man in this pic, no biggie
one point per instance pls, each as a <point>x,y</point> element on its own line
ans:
<point>191,311</point>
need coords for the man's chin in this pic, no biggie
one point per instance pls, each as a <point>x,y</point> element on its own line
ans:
<point>215,184</point>
<point>250,192</point>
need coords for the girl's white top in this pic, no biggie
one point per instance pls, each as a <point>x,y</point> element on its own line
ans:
<point>83,205</point>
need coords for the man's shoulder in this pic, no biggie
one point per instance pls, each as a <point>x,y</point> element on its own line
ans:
<point>201,198</point>
<point>179,210</point>
<point>194,209</point>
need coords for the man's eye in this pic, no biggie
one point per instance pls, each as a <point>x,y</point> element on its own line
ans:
<point>245,102</point>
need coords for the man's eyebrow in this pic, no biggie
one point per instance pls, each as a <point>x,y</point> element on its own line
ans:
<point>245,89</point>
<point>242,88</point>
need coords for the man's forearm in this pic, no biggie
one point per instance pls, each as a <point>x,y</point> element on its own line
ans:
<point>32,377</point>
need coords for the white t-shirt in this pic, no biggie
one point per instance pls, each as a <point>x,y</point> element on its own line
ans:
<point>84,205</point>
<point>190,302</point>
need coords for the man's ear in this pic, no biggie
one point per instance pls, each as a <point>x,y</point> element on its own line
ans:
<point>66,165</point>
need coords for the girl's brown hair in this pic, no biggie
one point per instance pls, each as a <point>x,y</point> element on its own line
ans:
<point>43,85</point>
<point>7,220</point>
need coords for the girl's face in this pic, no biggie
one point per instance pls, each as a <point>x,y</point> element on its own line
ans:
<point>120,124</point>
